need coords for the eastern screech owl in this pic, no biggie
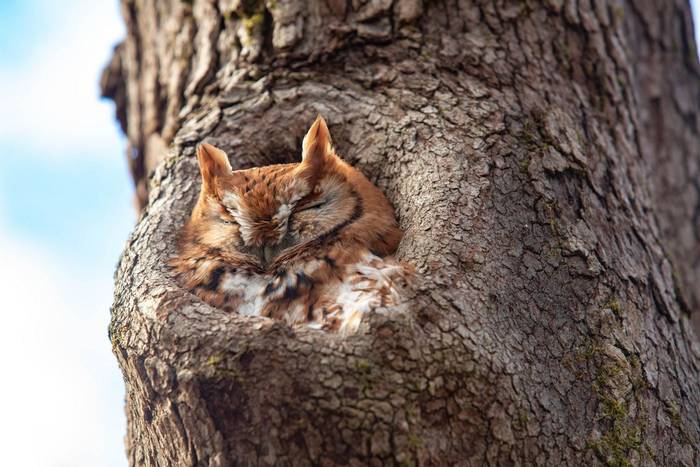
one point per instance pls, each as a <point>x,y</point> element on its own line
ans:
<point>306,243</point>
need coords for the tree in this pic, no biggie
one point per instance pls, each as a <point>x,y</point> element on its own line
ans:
<point>543,158</point>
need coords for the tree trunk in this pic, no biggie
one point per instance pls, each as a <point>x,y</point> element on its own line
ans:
<point>543,158</point>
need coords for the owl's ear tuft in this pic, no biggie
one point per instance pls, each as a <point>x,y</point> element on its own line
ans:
<point>317,148</point>
<point>213,163</point>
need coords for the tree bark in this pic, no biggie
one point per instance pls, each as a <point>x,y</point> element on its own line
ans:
<point>543,158</point>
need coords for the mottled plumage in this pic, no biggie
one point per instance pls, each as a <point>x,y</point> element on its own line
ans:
<point>306,243</point>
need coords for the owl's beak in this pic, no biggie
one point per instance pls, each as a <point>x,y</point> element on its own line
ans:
<point>268,254</point>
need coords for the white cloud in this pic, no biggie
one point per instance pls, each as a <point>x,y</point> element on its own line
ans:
<point>61,396</point>
<point>49,98</point>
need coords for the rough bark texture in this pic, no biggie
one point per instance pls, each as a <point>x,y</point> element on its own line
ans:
<point>543,158</point>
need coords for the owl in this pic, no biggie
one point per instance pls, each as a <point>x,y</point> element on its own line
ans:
<point>306,243</point>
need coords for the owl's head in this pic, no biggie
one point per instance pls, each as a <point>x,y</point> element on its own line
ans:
<point>275,214</point>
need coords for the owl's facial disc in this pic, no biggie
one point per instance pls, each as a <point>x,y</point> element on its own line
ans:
<point>277,213</point>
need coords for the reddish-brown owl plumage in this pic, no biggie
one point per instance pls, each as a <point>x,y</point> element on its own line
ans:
<point>306,243</point>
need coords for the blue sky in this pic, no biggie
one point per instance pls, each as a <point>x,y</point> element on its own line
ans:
<point>65,213</point>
